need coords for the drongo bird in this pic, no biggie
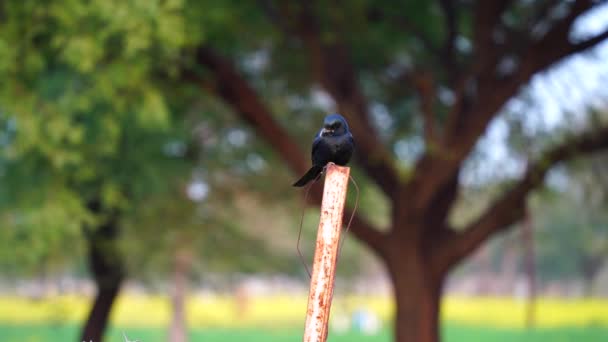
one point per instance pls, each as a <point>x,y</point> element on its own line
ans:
<point>333,144</point>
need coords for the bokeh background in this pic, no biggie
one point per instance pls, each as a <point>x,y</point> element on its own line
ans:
<point>148,147</point>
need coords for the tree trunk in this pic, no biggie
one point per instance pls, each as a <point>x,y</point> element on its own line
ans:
<point>590,267</point>
<point>508,268</point>
<point>106,266</point>
<point>530,267</point>
<point>178,331</point>
<point>98,317</point>
<point>417,293</point>
<point>588,286</point>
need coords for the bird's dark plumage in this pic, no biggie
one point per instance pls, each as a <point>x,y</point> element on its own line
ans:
<point>334,143</point>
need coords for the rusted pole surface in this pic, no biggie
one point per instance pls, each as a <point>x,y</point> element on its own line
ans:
<point>326,251</point>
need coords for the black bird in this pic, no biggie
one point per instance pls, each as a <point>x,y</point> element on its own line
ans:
<point>334,143</point>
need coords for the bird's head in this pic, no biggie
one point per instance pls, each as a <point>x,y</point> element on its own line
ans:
<point>334,125</point>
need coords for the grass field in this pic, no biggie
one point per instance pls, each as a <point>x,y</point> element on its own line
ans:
<point>451,333</point>
<point>280,318</point>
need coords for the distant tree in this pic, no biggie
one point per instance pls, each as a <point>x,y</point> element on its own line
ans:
<point>573,224</point>
<point>86,131</point>
<point>430,75</point>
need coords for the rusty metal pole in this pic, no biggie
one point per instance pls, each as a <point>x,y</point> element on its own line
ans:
<point>326,251</point>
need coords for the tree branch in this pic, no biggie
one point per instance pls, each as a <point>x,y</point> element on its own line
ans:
<point>436,214</point>
<point>438,230</point>
<point>234,90</point>
<point>469,118</point>
<point>423,82</point>
<point>495,90</point>
<point>510,208</point>
<point>589,43</point>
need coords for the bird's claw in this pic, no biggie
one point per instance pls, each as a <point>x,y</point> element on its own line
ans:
<point>326,165</point>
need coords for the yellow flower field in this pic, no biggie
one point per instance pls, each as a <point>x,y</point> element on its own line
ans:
<point>218,311</point>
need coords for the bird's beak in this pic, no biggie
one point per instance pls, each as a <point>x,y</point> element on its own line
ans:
<point>326,131</point>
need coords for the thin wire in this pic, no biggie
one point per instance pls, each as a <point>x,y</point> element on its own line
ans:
<point>351,217</point>
<point>300,230</point>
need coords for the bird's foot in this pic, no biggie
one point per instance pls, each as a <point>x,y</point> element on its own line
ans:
<point>326,165</point>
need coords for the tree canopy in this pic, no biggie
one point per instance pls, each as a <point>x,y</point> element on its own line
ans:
<point>111,109</point>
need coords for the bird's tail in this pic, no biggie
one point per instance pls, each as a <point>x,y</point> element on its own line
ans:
<point>311,174</point>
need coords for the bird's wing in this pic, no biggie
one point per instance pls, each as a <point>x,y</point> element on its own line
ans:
<point>315,143</point>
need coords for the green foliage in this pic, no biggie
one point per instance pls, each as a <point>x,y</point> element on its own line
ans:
<point>91,110</point>
<point>83,118</point>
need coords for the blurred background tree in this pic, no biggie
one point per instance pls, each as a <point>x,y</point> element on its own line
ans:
<point>573,219</point>
<point>131,121</point>
<point>477,55</point>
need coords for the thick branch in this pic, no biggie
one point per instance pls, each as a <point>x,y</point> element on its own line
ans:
<point>426,92</point>
<point>232,88</point>
<point>510,208</point>
<point>435,220</point>
<point>436,215</point>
